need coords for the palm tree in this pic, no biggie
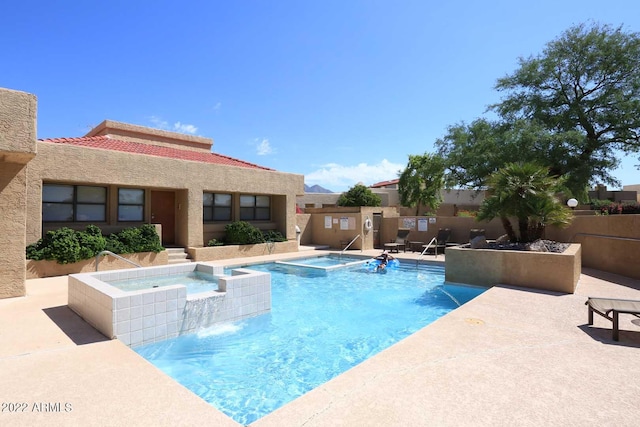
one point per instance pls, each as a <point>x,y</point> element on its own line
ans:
<point>527,192</point>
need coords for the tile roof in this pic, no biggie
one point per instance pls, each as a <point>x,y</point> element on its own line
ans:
<point>384,183</point>
<point>106,143</point>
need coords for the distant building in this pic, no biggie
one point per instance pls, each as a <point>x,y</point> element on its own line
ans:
<point>634,187</point>
<point>392,184</point>
<point>627,194</point>
<point>452,200</point>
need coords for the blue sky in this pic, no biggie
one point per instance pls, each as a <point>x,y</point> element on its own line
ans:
<point>339,91</point>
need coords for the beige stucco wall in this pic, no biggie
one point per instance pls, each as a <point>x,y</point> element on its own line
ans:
<point>312,225</point>
<point>337,233</point>
<point>333,226</point>
<point>459,226</point>
<point>609,243</point>
<point>17,148</point>
<point>214,253</point>
<point>306,235</point>
<point>77,165</point>
<point>537,270</point>
<point>17,126</point>
<point>37,269</point>
<point>12,223</point>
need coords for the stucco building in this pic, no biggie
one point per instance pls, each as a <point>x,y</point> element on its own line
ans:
<point>120,175</point>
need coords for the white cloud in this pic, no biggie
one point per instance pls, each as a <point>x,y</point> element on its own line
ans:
<point>177,126</point>
<point>185,128</point>
<point>340,178</point>
<point>159,123</point>
<point>217,106</point>
<point>263,147</point>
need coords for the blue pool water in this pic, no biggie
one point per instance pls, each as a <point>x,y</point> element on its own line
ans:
<point>194,281</point>
<point>321,324</point>
<point>327,261</point>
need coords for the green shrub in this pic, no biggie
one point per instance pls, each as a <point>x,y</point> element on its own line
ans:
<point>273,236</point>
<point>91,242</point>
<point>135,239</point>
<point>37,251</point>
<point>60,245</point>
<point>127,238</point>
<point>65,245</point>
<point>215,242</point>
<point>115,245</point>
<point>242,233</point>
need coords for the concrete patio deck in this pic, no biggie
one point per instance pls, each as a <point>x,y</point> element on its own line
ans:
<point>509,357</point>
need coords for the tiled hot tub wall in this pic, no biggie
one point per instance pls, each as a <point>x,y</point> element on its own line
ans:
<point>150,315</point>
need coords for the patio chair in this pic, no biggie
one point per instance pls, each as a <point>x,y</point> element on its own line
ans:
<point>610,309</point>
<point>400,242</point>
<point>442,240</point>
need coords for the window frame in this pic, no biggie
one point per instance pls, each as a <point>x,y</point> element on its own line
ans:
<point>142,205</point>
<point>74,203</point>
<point>213,207</point>
<point>255,208</point>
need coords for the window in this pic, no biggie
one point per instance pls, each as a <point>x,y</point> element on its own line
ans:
<point>255,208</point>
<point>73,203</point>
<point>130,204</point>
<point>216,207</point>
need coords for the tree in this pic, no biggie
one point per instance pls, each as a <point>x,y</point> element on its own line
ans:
<point>584,89</point>
<point>359,195</point>
<point>473,152</point>
<point>527,192</point>
<point>422,181</point>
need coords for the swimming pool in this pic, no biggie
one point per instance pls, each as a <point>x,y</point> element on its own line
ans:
<point>195,282</point>
<point>326,262</point>
<point>321,325</point>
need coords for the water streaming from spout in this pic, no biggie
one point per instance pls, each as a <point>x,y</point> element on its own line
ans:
<point>201,312</point>
<point>441,288</point>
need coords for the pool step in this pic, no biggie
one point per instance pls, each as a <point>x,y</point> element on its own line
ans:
<point>177,255</point>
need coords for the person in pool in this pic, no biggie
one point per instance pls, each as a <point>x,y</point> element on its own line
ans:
<point>384,259</point>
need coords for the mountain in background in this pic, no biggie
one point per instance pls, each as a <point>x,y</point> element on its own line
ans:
<point>316,189</point>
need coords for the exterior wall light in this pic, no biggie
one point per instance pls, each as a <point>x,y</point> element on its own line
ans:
<point>572,203</point>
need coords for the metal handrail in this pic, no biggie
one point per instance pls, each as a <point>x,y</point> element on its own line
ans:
<point>350,243</point>
<point>114,255</point>
<point>426,248</point>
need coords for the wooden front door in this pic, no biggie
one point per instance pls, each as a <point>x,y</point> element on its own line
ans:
<point>163,211</point>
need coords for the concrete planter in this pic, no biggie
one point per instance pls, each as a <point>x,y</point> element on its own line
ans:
<point>39,269</point>
<point>537,270</point>
<point>213,253</point>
